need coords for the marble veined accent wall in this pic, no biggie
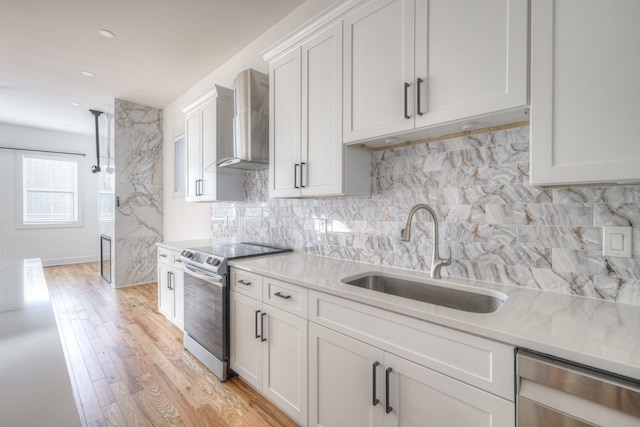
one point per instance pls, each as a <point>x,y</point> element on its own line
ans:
<point>497,227</point>
<point>132,181</point>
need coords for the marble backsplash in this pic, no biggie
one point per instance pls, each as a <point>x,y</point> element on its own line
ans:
<point>497,227</point>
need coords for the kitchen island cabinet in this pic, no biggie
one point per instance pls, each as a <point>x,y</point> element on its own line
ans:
<point>35,384</point>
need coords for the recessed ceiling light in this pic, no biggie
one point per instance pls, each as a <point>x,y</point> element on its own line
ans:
<point>106,33</point>
<point>75,104</point>
<point>88,73</point>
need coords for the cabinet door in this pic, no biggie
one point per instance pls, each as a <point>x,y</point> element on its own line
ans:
<point>284,126</point>
<point>341,380</point>
<point>378,61</point>
<point>194,153</point>
<point>472,58</point>
<point>284,362</point>
<point>209,129</point>
<point>245,345</point>
<point>419,396</point>
<point>584,91</point>
<point>165,294</point>
<point>322,147</point>
<point>178,297</point>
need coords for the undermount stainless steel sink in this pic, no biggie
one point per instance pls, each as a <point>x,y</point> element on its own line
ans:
<point>452,296</point>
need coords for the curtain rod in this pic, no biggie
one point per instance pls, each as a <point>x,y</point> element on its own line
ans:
<point>42,151</point>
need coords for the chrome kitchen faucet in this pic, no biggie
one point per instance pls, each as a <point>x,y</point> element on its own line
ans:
<point>436,262</point>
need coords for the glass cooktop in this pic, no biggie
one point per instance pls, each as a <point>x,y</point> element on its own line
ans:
<point>239,250</point>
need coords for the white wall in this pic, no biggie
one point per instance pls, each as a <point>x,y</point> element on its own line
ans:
<point>53,245</point>
<point>184,221</point>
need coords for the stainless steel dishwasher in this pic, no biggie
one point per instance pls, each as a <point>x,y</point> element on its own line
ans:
<point>557,393</point>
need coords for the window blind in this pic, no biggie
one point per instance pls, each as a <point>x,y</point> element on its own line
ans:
<point>50,191</point>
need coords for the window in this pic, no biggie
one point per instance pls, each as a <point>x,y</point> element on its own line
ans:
<point>49,191</point>
<point>180,166</point>
<point>106,198</point>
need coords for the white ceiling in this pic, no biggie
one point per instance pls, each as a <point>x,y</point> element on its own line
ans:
<point>161,49</point>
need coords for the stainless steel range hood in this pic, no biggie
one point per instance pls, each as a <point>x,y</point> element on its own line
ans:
<point>250,122</point>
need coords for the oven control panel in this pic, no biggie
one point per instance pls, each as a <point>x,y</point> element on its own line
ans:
<point>203,260</point>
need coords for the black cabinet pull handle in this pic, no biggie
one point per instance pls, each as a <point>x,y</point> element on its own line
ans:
<point>375,399</point>
<point>169,280</point>
<point>278,294</point>
<point>263,339</point>
<point>406,101</point>
<point>388,408</point>
<point>301,172</point>
<point>295,175</point>
<point>172,280</point>
<point>418,90</point>
<point>242,282</point>
<point>163,255</point>
<point>256,322</point>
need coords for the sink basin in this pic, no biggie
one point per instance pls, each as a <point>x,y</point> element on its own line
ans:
<point>458,297</point>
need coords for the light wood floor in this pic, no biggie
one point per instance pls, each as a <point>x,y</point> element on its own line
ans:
<point>127,365</point>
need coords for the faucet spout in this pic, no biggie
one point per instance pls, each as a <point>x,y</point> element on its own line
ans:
<point>436,262</point>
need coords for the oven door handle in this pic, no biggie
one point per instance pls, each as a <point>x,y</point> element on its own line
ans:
<point>217,281</point>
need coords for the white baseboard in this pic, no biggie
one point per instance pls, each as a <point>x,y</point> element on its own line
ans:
<point>66,261</point>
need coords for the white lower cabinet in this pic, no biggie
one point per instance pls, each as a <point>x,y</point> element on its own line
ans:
<point>419,396</point>
<point>370,367</point>
<point>171,286</point>
<point>269,348</point>
<point>341,380</point>
<point>348,383</point>
<point>351,364</point>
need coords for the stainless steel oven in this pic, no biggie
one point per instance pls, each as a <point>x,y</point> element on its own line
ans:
<point>205,321</point>
<point>206,300</point>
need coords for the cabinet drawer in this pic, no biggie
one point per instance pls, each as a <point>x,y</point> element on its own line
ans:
<point>164,255</point>
<point>483,363</point>
<point>246,283</point>
<point>287,296</point>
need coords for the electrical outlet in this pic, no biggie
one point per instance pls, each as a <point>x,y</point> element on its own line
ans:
<point>617,241</point>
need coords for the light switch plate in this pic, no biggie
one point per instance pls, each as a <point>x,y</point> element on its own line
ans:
<point>616,241</point>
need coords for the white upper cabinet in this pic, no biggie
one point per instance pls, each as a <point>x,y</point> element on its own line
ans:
<point>584,91</point>
<point>472,57</point>
<point>378,61</point>
<point>307,157</point>
<point>415,65</point>
<point>284,126</point>
<point>209,132</point>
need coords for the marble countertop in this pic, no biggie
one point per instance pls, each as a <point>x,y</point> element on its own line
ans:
<point>36,389</point>
<point>601,334</point>
<point>184,244</point>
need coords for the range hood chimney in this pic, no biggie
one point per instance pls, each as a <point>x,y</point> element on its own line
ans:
<point>250,122</point>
